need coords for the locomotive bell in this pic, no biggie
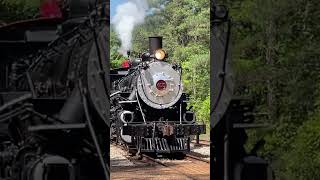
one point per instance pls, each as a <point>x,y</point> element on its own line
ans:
<point>155,43</point>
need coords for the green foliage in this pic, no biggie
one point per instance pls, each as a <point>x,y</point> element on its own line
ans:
<point>276,61</point>
<point>303,158</point>
<point>13,10</point>
<point>303,161</point>
<point>185,28</point>
<point>196,76</point>
<point>115,57</point>
<point>203,113</point>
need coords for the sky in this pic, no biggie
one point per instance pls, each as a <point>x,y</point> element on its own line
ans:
<point>114,4</point>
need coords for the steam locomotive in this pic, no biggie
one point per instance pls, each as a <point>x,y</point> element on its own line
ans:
<point>54,100</point>
<point>149,111</point>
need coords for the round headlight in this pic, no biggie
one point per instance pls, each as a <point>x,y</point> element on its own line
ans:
<point>160,54</point>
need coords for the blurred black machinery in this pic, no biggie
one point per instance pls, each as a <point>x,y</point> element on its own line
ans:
<point>230,115</point>
<point>54,96</point>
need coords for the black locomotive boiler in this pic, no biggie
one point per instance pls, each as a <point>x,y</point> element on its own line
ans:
<point>149,112</point>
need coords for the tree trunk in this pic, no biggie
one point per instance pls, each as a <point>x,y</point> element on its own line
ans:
<point>270,55</point>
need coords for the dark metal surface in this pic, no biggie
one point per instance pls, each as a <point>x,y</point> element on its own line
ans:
<point>98,70</point>
<point>155,43</point>
<point>57,127</point>
<point>55,99</point>
<point>221,71</point>
<point>162,145</point>
<point>22,32</point>
<point>79,8</point>
<point>147,130</point>
<point>103,163</point>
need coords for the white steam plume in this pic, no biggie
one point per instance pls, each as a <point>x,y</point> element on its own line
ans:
<point>127,16</point>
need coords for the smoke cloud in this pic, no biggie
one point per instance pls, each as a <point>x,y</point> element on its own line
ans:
<point>128,15</point>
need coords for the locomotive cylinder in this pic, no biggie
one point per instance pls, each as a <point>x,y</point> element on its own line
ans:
<point>155,43</point>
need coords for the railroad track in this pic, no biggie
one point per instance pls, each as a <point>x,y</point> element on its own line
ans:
<point>192,167</point>
<point>191,156</point>
<point>201,143</point>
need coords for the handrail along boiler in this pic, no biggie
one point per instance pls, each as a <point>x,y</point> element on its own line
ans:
<point>148,106</point>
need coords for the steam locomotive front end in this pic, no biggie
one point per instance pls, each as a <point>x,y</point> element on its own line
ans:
<point>154,116</point>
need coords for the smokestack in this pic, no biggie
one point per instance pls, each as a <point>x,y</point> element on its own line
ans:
<point>155,43</point>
